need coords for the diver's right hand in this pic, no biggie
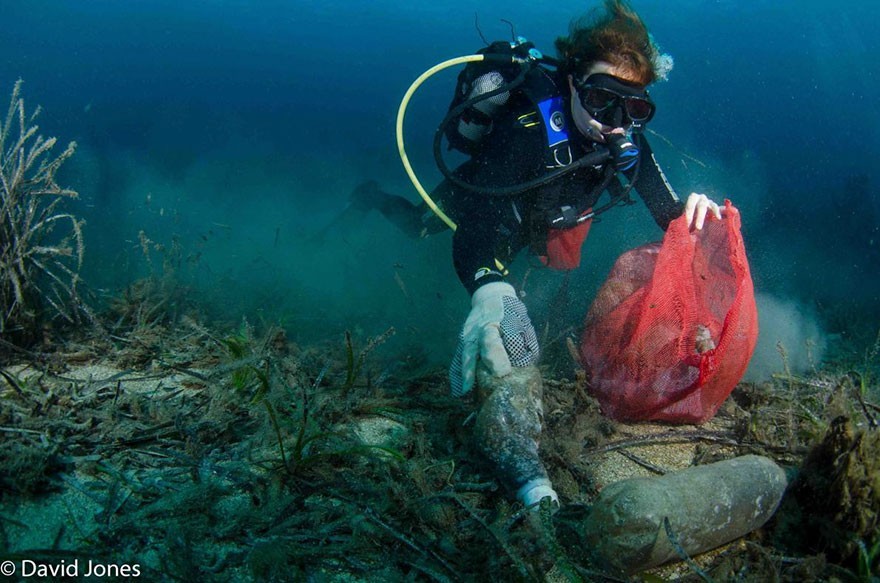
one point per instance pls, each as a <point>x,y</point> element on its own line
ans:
<point>698,207</point>
<point>499,331</point>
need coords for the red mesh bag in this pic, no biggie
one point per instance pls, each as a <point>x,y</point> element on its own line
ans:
<point>672,329</point>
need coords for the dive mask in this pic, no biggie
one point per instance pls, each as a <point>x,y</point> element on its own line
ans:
<point>613,102</point>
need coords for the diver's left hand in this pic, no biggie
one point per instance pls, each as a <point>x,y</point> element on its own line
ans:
<point>697,207</point>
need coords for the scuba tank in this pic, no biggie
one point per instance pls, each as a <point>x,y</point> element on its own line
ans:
<point>481,89</point>
<point>476,121</point>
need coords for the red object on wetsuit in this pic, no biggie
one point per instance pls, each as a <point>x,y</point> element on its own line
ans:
<point>671,331</point>
<point>564,246</point>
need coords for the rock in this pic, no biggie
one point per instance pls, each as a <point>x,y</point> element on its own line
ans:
<point>378,431</point>
<point>707,506</point>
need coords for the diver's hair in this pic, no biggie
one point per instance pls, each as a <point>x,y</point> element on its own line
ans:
<point>617,36</point>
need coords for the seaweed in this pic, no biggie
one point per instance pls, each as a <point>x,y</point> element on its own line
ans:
<point>353,365</point>
<point>255,371</point>
<point>41,246</point>
<point>868,561</point>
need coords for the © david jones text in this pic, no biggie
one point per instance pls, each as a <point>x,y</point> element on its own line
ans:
<point>28,568</point>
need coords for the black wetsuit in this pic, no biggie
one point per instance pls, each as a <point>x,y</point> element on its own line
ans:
<point>515,152</point>
<point>491,227</point>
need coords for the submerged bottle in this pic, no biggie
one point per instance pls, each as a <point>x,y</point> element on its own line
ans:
<point>704,507</point>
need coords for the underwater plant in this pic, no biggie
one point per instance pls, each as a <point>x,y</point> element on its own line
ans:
<point>355,364</point>
<point>869,562</point>
<point>41,246</point>
<point>258,375</point>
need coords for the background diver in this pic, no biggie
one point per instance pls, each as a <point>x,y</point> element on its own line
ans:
<point>544,141</point>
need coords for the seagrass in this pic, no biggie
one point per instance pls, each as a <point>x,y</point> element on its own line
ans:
<point>41,245</point>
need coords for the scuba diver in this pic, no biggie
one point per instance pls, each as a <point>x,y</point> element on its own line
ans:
<point>545,138</point>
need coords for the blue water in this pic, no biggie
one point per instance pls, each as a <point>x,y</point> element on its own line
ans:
<point>240,128</point>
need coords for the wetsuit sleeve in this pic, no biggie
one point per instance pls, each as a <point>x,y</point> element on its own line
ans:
<point>403,214</point>
<point>654,188</point>
<point>473,254</point>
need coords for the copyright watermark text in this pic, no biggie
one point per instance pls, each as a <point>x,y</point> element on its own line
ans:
<point>25,568</point>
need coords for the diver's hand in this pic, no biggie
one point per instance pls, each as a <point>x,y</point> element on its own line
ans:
<point>499,331</point>
<point>697,207</point>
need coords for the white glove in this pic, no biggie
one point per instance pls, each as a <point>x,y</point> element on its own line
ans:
<point>499,331</point>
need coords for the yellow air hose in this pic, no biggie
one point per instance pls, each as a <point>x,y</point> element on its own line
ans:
<point>400,115</point>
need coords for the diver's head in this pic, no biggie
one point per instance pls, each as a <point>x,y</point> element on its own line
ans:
<point>610,55</point>
<point>606,100</point>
